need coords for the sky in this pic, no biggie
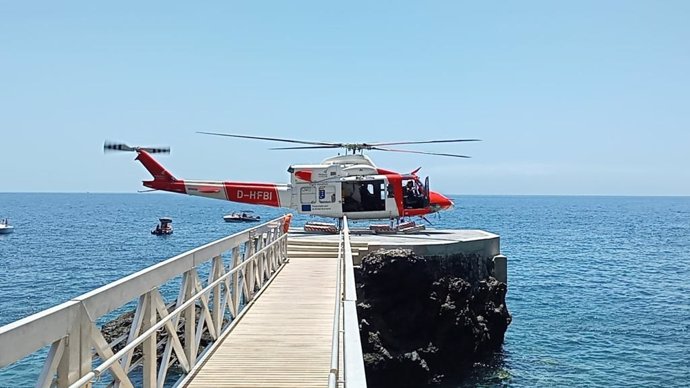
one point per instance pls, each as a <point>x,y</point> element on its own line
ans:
<point>569,98</point>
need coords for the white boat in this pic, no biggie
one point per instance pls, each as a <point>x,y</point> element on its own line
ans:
<point>5,227</point>
<point>243,216</point>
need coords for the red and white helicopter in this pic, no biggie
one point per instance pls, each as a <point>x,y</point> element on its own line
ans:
<point>347,184</point>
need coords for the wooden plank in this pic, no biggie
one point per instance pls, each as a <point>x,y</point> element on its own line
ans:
<point>284,339</point>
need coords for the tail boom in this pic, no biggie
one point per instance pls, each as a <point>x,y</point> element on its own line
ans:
<point>268,194</point>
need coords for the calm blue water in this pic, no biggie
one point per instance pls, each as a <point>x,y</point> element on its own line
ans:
<point>599,287</point>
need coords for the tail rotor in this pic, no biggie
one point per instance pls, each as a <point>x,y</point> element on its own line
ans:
<point>114,147</point>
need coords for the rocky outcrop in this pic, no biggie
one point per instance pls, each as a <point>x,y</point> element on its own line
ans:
<point>427,320</point>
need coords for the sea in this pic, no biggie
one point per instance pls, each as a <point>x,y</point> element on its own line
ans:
<point>598,287</point>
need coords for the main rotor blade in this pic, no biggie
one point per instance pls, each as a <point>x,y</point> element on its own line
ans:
<point>308,147</point>
<point>419,152</point>
<point>268,138</point>
<point>424,142</point>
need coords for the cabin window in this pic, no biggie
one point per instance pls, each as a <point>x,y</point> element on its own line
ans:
<point>326,194</point>
<point>364,196</point>
<point>307,195</point>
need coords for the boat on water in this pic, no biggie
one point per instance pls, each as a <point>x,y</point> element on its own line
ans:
<point>5,227</point>
<point>243,216</point>
<point>165,227</point>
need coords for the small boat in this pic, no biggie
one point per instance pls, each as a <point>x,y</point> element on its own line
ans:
<point>5,227</point>
<point>164,227</point>
<point>243,216</point>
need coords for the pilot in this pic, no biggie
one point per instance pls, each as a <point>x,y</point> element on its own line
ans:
<point>410,191</point>
<point>410,194</point>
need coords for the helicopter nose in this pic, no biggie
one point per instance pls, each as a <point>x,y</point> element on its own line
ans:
<point>440,201</point>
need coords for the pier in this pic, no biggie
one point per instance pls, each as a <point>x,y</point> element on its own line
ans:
<point>260,308</point>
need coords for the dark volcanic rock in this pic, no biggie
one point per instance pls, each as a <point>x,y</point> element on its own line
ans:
<point>423,320</point>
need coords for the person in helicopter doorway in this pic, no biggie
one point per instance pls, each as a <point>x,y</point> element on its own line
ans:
<point>411,195</point>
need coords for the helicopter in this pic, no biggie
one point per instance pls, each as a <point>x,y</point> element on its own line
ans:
<point>349,184</point>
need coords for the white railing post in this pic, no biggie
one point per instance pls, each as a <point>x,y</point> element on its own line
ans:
<point>149,346</point>
<point>189,319</point>
<point>45,380</point>
<point>134,331</point>
<point>236,288</point>
<point>68,366</point>
<point>85,353</point>
<point>250,268</point>
<point>216,270</point>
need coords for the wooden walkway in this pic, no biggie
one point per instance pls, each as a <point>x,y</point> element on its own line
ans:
<point>284,339</point>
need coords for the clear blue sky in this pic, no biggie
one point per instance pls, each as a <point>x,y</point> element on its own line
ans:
<point>583,97</point>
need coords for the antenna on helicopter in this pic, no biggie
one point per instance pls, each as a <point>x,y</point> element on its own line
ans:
<point>114,147</point>
<point>354,147</point>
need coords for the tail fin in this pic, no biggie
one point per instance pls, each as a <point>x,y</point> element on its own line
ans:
<point>158,172</point>
<point>162,178</point>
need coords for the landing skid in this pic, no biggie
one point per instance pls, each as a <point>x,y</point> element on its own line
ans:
<point>408,227</point>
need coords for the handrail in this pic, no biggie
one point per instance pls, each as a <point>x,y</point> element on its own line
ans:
<point>345,318</point>
<point>71,330</point>
<point>350,284</point>
<point>337,319</point>
<point>192,300</point>
<point>352,344</point>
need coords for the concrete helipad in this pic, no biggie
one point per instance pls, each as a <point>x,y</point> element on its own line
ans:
<point>430,242</point>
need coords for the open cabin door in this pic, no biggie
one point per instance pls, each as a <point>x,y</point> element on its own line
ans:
<point>361,196</point>
<point>426,192</point>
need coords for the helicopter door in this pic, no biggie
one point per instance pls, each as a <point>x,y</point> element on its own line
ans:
<point>361,196</point>
<point>426,192</point>
<point>307,197</point>
<point>352,201</point>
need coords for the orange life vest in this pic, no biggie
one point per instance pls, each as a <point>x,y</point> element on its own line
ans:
<point>286,222</point>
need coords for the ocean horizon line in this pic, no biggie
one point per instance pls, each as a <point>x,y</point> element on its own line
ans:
<point>450,194</point>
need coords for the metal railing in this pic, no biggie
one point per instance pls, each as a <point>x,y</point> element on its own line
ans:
<point>76,341</point>
<point>337,321</point>
<point>345,320</point>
